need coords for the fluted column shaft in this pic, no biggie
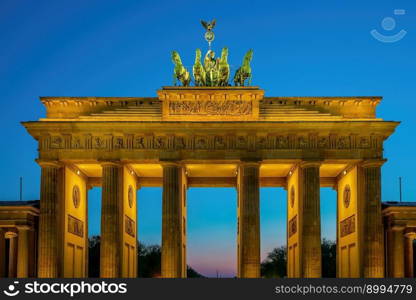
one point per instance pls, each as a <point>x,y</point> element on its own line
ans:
<point>171,222</point>
<point>373,251</point>
<point>2,254</point>
<point>23,252</point>
<point>311,224</point>
<point>408,256</point>
<point>249,219</point>
<point>48,222</point>
<point>110,248</point>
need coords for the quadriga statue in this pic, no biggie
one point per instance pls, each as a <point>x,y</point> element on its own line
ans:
<point>180,72</point>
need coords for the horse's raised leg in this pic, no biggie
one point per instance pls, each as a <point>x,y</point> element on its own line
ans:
<point>175,80</point>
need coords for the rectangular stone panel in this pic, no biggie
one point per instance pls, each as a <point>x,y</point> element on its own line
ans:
<point>75,226</point>
<point>347,226</point>
<point>293,226</point>
<point>130,225</point>
<point>203,104</point>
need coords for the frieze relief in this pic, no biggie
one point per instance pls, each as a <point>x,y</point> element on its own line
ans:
<point>111,142</point>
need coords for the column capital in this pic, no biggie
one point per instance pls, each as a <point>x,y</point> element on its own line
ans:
<point>114,163</point>
<point>398,227</point>
<point>310,163</point>
<point>10,234</point>
<point>249,161</point>
<point>371,163</point>
<point>49,163</point>
<point>23,227</point>
<point>410,233</point>
<point>170,163</point>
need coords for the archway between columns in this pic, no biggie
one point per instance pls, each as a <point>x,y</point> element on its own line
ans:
<point>273,232</point>
<point>94,231</point>
<point>328,201</point>
<point>212,231</point>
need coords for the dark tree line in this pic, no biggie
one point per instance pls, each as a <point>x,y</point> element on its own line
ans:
<point>274,266</point>
<point>148,260</point>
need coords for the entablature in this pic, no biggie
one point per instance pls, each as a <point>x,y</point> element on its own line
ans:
<point>199,140</point>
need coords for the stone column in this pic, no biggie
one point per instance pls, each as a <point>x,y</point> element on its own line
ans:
<point>12,254</point>
<point>408,254</point>
<point>33,251</point>
<point>396,252</point>
<point>311,225</point>
<point>48,220</point>
<point>373,241</point>
<point>172,238</point>
<point>110,247</point>
<point>2,254</point>
<point>249,220</point>
<point>23,252</point>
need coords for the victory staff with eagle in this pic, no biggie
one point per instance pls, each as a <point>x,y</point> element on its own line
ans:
<point>209,35</point>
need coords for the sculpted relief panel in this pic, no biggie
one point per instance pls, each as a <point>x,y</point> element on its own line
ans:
<point>347,226</point>
<point>201,105</point>
<point>75,226</point>
<point>211,108</point>
<point>129,225</point>
<point>293,226</point>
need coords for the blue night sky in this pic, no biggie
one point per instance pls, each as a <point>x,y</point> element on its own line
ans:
<point>122,48</point>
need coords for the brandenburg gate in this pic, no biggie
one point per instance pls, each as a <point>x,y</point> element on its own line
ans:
<point>211,134</point>
<point>210,137</point>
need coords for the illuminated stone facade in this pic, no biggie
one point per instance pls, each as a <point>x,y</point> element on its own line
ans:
<point>210,137</point>
<point>18,238</point>
<point>400,232</point>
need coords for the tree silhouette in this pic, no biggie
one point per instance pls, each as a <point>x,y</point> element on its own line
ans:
<point>148,260</point>
<point>274,266</point>
<point>94,256</point>
<point>329,259</point>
